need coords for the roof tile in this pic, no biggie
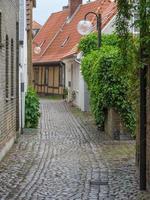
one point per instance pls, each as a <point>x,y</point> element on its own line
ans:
<point>60,38</point>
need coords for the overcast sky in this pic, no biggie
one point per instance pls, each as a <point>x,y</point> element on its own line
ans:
<point>46,7</point>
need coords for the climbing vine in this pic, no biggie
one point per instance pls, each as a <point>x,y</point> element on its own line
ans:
<point>112,73</point>
<point>107,84</point>
<point>124,21</point>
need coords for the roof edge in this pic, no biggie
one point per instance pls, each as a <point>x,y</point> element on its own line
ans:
<point>46,63</point>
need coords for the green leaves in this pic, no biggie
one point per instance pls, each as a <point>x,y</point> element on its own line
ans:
<point>108,81</point>
<point>32,113</point>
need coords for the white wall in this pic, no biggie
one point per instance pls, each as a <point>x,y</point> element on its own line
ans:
<point>75,77</point>
<point>78,85</point>
<point>83,94</point>
<point>22,60</point>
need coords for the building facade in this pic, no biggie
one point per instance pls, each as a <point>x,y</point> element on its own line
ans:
<point>23,80</point>
<point>25,49</point>
<point>9,74</point>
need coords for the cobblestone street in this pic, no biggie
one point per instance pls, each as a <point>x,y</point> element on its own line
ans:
<point>67,159</point>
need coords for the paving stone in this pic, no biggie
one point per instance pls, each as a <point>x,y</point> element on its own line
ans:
<point>68,159</point>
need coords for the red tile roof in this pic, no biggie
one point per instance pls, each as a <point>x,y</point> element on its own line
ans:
<point>36,25</point>
<point>58,38</point>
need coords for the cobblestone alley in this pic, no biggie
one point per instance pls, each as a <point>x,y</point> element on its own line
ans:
<point>68,160</point>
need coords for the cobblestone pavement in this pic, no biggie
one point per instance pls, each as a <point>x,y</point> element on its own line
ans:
<point>68,160</point>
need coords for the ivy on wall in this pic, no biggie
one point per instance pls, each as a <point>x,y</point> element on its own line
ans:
<point>124,21</point>
<point>112,73</point>
<point>108,80</point>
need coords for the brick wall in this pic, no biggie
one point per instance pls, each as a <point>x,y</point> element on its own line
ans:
<point>9,13</point>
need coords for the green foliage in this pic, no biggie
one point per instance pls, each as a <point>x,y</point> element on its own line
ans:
<point>122,27</point>
<point>126,10</point>
<point>65,92</point>
<point>139,55</point>
<point>90,42</point>
<point>32,113</point>
<point>108,82</point>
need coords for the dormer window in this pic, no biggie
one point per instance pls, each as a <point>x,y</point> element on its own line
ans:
<point>65,41</point>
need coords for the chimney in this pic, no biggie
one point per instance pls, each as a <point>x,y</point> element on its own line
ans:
<point>73,5</point>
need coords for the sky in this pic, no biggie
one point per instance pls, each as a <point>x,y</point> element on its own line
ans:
<point>45,7</point>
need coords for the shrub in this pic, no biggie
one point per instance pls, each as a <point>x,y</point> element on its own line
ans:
<point>89,43</point>
<point>32,113</point>
<point>108,82</point>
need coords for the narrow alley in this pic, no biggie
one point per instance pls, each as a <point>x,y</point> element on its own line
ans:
<point>67,159</point>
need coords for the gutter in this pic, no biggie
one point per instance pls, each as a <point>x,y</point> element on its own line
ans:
<point>46,63</point>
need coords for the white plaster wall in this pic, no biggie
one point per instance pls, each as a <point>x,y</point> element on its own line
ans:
<point>73,74</point>
<point>75,77</point>
<point>68,64</point>
<point>83,94</point>
<point>23,62</point>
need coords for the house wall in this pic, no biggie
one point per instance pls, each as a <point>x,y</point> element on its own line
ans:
<point>22,60</point>
<point>8,105</point>
<point>83,93</point>
<point>47,79</point>
<point>68,66</point>
<point>75,83</point>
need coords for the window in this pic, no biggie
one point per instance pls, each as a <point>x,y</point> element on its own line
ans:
<point>65,42</point>
<point>7,68</point>
<point>12,67</point>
